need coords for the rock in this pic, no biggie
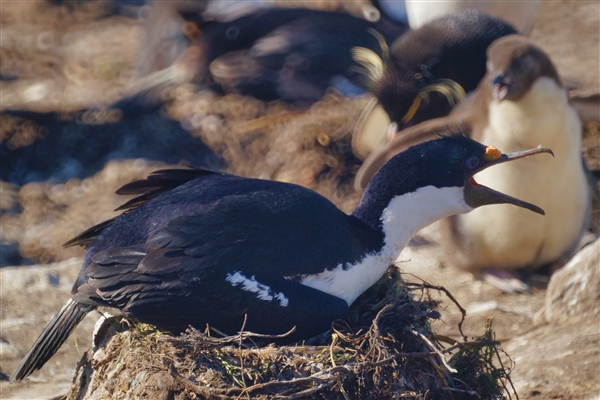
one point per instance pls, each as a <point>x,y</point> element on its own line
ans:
<point>574,290</point>
<point>560,357</point>
<point>557,361</point>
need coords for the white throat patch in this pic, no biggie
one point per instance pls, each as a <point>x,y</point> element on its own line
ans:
<point>402,219</point>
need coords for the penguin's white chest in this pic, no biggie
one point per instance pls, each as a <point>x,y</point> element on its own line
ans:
<point>504,236</point>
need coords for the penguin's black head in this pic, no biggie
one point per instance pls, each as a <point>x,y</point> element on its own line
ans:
<point>514,65</point>
<point>448,162</point>
<point>431,68</point>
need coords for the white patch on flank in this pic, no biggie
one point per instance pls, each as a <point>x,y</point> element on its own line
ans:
<point>402,219</point>
<point>252,285</point>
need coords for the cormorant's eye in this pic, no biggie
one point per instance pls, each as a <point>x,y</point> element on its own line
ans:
<point>232,32</point>
<point>472,162</point>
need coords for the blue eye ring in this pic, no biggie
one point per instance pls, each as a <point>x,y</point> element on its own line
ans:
<point>472,162</point>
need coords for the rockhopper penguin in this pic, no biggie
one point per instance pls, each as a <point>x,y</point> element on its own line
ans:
<point>198,247</point>
<point>426,72</point>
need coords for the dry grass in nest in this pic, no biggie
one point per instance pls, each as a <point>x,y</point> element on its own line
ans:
<point>383,350</point>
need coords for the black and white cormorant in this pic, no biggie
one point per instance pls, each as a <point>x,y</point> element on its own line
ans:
<point>198,247</point>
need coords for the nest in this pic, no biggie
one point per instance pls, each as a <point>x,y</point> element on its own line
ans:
<point>383,350</point>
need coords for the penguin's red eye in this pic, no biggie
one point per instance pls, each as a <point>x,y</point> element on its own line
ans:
<point>472,162</point>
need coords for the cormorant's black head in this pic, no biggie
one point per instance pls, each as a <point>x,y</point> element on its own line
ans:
<point>450,161</point>
<point>446,163</point>
<point>514,65</point>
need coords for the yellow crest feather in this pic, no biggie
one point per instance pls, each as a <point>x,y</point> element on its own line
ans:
<point>372,64</point>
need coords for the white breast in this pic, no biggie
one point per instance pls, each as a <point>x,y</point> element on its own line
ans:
<point>401,220</point>
<point>508,237</point>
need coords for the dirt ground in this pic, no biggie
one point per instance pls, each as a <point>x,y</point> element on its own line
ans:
<point>69,58</point>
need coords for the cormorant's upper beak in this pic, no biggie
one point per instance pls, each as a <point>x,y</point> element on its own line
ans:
<point>477,195</point>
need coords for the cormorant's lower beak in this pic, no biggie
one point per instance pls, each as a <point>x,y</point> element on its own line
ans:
<point>477,195</point>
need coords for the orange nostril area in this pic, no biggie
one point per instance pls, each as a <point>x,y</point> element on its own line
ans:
<point>492,153</point>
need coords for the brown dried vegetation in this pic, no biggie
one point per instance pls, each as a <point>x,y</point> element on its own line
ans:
<point>385,350</point>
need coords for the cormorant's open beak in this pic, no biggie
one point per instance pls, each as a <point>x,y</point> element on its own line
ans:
<point>477,195</point>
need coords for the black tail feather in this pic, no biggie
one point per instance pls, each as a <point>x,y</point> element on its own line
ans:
<point>51,338</point>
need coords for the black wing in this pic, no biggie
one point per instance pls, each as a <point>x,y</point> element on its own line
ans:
<point>157,183</point>
<point>268,231</point>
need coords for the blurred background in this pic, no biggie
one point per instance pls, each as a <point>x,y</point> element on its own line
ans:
<point>69,62</point>
<point>95,94</point>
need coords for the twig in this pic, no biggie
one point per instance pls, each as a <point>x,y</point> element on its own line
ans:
<point>374,336</point>
<point>432,347</point>
<point>507,376</point>
<point>469,392</point>
<point>304,349</point>
<point>199,390</point>
<point>379,314</point>
<point>241,357</point>
<point>445,339</point>
<point>246,335</point>
<point>320,377</point>
<point>334,339</point>
<point>443,289</point>
<point>441,375</point>
<point>464,345</point>
<point>303,393</point>
<point>394,357</point>
<point>342,390</point>
<point>345,338</point>
<point>222,334</point>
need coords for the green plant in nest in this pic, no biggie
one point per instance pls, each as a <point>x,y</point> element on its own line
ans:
<point>479,366</point>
